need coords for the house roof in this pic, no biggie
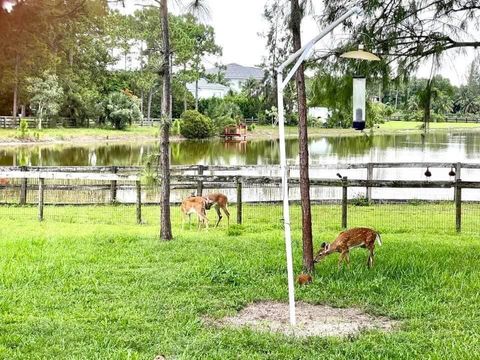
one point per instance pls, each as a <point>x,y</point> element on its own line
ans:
<point>204,84</point>
<point>236,71</point>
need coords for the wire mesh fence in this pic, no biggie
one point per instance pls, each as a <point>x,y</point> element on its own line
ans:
<point>121,201</point>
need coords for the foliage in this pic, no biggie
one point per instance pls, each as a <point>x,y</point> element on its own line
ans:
<point>121,109</point>
<point>195,125</point>
<point>176,126</point>
<point>377,113</point>
<point>407,32</point>
<point>334,93</point>
<point>23,129</point>
<point>46,96</point>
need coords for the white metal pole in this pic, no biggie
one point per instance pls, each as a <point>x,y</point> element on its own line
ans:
<point>303,53</point>
<point>286,210</point>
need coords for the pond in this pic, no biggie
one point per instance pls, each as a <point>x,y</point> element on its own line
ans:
<point>453,146</point>
<point>437,146</point>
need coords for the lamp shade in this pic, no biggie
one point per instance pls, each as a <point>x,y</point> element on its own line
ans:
<point>360,54</point>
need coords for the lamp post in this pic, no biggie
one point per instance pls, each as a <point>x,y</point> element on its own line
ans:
<point>299,56</point>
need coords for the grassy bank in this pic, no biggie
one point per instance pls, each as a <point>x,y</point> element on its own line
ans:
<point>148,133</point>
<point>88,283</point>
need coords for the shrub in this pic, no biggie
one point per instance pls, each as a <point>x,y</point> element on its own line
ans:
<point>175,128</point>
<point>195,125</point>
<point>23,129</point>
<point>121,109</point>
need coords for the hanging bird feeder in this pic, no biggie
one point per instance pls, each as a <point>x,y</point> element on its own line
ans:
<point>359,87</point>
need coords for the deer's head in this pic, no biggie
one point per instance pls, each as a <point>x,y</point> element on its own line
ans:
<point>208,203</point>
<point>322,252</point>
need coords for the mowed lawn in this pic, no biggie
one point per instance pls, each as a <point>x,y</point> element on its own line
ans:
<point>88,283</point>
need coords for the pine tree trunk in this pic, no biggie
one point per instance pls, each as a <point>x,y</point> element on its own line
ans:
<point>165,223</point>
<point>15,89</point>
<point>149,105</point>
<point>308,265</point>
<point>196,94</point>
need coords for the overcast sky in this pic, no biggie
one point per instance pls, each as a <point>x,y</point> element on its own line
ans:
<point>237,26</point>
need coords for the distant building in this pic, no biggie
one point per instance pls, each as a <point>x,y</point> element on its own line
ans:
<point>208,90</point>
<point>235,75</point>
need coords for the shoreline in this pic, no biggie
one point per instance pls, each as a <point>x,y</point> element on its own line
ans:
<point>261,133</point>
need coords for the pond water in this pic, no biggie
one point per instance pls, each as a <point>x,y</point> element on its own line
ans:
<point>446,146</point>
<point>438,146</point>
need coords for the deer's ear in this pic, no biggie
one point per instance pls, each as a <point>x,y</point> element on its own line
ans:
<point>327,246</point>
<point>323,245</point>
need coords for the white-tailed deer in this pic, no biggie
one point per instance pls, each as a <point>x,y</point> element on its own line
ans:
<point>4,181</point>
<point>219,201</point>
<point>349,239</point>
<point>195,205</point>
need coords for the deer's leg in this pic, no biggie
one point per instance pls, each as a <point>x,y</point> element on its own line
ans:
<point>227,213</point>
<point>347,258</point>
<point>204,220</point>
<point>219,214</point>
<point>370,257</point>
<point>340,259</point>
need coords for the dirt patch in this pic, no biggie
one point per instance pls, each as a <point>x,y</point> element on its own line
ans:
<point>312,320</point>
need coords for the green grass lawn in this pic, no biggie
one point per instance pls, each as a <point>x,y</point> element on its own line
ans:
<point>88,283</point>
<point>69,133</point>
<point>406,125</point>
<point>135,133</point>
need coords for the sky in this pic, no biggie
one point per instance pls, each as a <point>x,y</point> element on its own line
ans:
<point>238,24</point>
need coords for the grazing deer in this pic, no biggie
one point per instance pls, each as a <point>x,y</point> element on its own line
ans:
<point>218,201</point>
<point>4,181</point>
<point>195,205</point>
<point>349,239</point>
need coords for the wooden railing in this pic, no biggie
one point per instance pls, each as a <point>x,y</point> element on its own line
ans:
<point>194,177</point>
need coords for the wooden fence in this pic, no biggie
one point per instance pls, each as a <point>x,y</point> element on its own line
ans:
<point>196,177</point>
<point>9,122</point>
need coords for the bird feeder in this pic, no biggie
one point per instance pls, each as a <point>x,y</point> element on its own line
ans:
<point>359,87</point>
<point>359,102</point>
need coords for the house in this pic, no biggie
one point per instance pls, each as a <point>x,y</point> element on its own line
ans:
<point>235,76</point>
<point>208,90</point>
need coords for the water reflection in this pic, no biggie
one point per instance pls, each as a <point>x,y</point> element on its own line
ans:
<point>438,146</point>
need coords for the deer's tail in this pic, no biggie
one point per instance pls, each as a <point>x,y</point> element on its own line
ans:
<point>379,239</point>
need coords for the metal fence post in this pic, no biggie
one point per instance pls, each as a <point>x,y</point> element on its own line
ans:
<point>458,205</point>
<point>200,182</point>
<point>41,183</point>
<point>368,192</point>
<point>344,201</point>
<point>113,186</point>
<point>23,188</point>
<point>239,201</point>
<point>139,201</point>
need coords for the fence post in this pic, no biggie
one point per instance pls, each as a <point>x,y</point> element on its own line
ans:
<point>458,176</point>
<point>200,182</point>
<point>139,201</point>
<point>368,191</point>
<point>23,188</point>
<point>113,186</point>
<point>458,205</point>
<point>239,201</point>
<point>41,183</point>
<point>344,201</point>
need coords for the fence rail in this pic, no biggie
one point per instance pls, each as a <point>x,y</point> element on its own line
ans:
<point>18,183</point>
<point>10,122</point>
